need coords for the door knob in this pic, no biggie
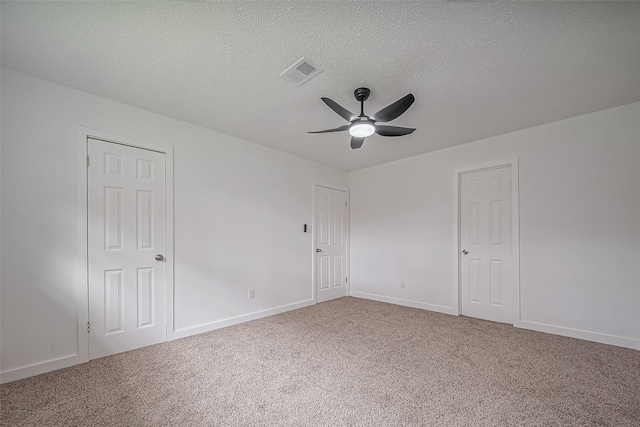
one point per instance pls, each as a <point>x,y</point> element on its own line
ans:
<point>159,257</point>
<point>318,250</point>
<point>464,251</point>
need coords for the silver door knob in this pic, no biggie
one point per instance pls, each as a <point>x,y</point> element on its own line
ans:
<point>318,250</point>
<point>159,257</point>
<point>464,251</point>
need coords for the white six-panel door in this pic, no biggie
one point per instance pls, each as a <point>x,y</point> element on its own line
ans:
<point>486,244</point>
<point>331,243</point>
<point>126,232</point>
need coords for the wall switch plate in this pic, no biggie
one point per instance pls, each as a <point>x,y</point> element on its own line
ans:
<point>252,293</point>
<point>403,285</point>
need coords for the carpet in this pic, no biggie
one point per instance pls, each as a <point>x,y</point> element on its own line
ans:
<point>346,362</point>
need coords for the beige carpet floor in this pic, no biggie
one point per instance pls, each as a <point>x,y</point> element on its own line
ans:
<point>347,362</point>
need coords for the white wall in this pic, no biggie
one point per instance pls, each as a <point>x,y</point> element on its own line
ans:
<point>239,211</point>
<point>579,225</point>
<point>239,208</point>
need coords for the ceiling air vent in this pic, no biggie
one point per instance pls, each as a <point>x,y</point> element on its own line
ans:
<point>301,72</point>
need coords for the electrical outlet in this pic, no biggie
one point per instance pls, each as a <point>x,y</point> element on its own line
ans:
<point>252,293</point>
<point>403,285</point>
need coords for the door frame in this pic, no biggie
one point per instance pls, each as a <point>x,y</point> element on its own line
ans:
<point>314,223</point>
<point>82,278</point>
<point>515,231</point>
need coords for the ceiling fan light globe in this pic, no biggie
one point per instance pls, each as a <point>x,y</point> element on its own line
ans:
<point>362,130</point>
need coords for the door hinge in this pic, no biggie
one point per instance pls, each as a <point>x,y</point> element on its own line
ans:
<point>346,280</point>
<point>345,203</point>
<point>87,161</point>
<point>88,327</point>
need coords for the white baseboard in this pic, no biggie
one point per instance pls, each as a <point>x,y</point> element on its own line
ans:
<point>199,329</point>
<point>580,334</point>
<point>39,368</point>
<point>406,303</point>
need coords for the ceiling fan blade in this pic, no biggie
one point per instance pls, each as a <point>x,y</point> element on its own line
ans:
<point>338,129</point>
<point>394,110</point>
<point>343,112</point>
<point>356,142</point>
<point>392,130</point>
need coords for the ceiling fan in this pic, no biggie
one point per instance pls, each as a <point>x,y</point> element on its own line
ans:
<point>362,126</point>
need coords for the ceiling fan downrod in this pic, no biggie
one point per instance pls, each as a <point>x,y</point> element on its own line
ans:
<point>362,94</point>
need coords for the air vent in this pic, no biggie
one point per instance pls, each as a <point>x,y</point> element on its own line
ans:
<point>301,72</point>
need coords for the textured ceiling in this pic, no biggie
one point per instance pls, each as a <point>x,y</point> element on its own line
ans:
<point>476,69</point>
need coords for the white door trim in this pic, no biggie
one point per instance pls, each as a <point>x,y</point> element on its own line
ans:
<point>515,231</point>
<point>82,281</point>
<point>315,185</point>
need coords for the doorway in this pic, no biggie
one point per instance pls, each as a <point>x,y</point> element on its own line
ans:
<point>331,222</point>
<point>126,247</point>
<point>488,243</point>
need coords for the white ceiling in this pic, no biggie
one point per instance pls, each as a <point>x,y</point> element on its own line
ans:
<point>476,69</point>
